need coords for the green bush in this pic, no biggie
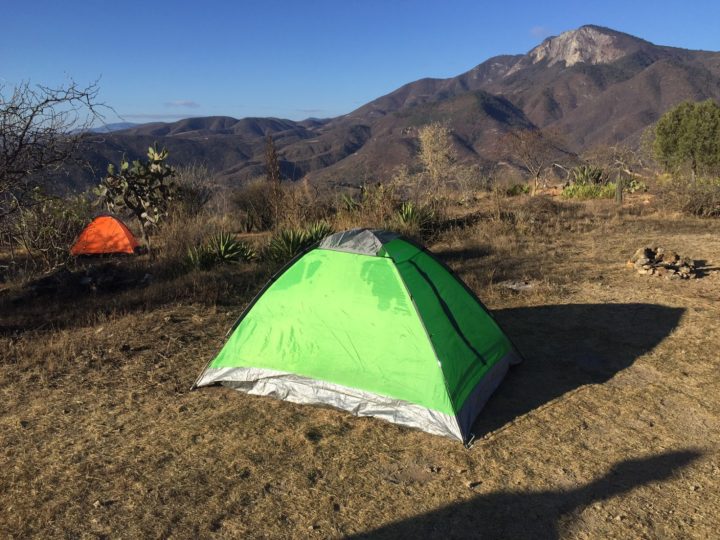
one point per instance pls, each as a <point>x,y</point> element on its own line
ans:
<point>589,191</point>
<point>221,248</point>
<point>517,189</point>
<point>634,185</point>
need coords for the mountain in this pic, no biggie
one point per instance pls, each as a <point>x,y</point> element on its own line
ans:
<point>593,85</point>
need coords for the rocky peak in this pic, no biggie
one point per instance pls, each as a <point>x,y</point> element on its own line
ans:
<point>589,44</point>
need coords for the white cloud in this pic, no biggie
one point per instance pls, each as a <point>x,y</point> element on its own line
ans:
<point>153,116</point>
<point>187,103</point>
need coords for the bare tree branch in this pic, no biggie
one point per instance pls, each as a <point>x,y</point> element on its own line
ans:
<point>42,129</point>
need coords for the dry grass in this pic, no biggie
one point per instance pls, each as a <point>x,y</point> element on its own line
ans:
<point>609,429</point>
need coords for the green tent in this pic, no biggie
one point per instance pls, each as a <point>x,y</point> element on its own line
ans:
<point>371,323</point>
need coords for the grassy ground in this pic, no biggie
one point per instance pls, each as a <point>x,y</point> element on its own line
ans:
<point>609,429</point>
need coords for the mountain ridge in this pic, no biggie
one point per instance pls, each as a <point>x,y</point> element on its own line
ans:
<point>594,85</point>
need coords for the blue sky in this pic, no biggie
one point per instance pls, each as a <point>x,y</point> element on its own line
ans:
<point>163,60</point>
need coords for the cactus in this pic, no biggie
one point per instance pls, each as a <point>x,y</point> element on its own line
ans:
<point>144,188</point>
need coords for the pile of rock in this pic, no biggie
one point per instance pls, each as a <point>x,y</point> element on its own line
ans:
<point>656,261</point>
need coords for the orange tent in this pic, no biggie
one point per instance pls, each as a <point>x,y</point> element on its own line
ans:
<point>104,234</point>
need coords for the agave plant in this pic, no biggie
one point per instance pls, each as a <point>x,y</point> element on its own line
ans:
<point>588,175</point>
<point>317,231</point>
<point>221,248</point>
<point>227,249</point>
<point>201,258</point>
<point>288,243</point>
<point>415,217</point>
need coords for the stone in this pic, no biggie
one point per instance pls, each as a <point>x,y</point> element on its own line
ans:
<point>660,262</point>
<point>642,253</point>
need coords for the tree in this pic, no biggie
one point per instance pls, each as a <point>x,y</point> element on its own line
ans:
<point>437,153</point>
<point>144,188</point>
<point>688,136</point>
<point>272,174</point>
<point>619,162</point>
<point>41,130</point>
<point>536,150</point>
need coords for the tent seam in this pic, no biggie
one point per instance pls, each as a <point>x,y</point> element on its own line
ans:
<point>432,346</point>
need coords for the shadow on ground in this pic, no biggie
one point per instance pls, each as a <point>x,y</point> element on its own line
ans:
<point>568,346</point>
<point>69,299</point>
<point>525,515</point>
<point>704,269</point>
<point>462,255</point>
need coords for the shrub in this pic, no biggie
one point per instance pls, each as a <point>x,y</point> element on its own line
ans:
<point>517,189</point>
<point>302,204</point>
<point>701,198</point>
<point>193,189</point>
<point>634,185</point>
<point>177,237</point>
<point>374,206</point>
<point>221,248</point>
<point>470,179</point>
<point>589,191</point>
<point>47,228</point>
<point>254,202</point>
<point>437,153</point>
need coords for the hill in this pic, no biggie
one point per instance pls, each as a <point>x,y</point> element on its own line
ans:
<point>593,85</point>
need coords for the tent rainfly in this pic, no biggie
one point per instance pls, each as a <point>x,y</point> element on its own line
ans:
<point>105,235</point>
<point>373,324</point>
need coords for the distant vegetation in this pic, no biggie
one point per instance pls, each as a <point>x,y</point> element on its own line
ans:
<point>687,138</point>
<point>193,221</point>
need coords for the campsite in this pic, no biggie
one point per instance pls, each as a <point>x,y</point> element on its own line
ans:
<point>256,284</point>
<point>607,426</point>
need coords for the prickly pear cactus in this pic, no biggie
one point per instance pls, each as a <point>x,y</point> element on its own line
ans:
<point>144,188</point>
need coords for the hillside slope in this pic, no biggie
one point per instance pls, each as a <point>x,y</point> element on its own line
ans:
<point>593,85</point>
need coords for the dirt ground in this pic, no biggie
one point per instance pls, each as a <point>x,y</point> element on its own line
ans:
<point>609,429</point>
